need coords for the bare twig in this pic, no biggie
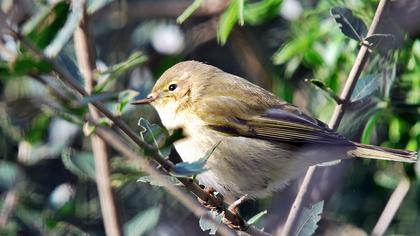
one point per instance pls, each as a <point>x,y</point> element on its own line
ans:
<point>338,114</point>
<point>166,164</point>
<point>9,204</point>
<point>86,62</point>
<point>391,207</point>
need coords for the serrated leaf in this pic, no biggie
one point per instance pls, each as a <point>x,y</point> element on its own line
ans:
<point>187,169</point>
<point>351,26</point>
<point>142,222</point>
<point>206,224</point>
<point>189,11</point>
<point>228,19</point>
<point>257,217</point>
<point>148,179</point>
<point>308,220</point>
<point>81,164</point>
<point>66,32</point>
<point>43,28</point>
<point>365,87</point>
<point>151,133</point>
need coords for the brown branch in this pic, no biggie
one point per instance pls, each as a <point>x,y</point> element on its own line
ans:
<point>154,154</point>
<point>361,59</point>
<point>9,204</point>
<point>391,207</point>
<point>86,61</point>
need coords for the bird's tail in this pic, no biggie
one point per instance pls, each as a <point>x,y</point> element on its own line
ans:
<point>383,153</point>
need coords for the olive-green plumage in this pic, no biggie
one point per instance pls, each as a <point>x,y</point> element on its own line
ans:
<point>265,142</point>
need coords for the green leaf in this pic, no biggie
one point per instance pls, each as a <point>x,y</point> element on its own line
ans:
<point>365,87</point>
<point>307,223</point>
<point>170,179</point>
<point>187,169</point>
<point>43,28</point>
<point>142,222</point>
<point>259,12</point>
<point>351,26</point>
<point>66,32</point>
<point>27,64</point>
<point>124,98</point>
<point>257,217</point>
<point>115,71</point>
<point>151,133</point>
<point>227,21</point>
<point>370,125</point>
<point>321,85</point>
<point>81,164</point>
<point>293,48</point>
<point>206,224</point>
<point>189,11</point>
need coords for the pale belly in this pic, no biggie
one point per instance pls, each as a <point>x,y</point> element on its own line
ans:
<point>241,165</point>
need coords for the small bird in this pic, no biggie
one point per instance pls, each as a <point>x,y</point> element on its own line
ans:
<point>264,141</point>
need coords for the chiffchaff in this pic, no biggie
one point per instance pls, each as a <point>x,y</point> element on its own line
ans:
<point>264,142</point>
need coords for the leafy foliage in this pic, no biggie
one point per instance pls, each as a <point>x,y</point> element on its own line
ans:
<point>307,223</point>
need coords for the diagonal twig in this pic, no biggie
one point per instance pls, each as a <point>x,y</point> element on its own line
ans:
<point>391,207</point>
<point>359,64</point>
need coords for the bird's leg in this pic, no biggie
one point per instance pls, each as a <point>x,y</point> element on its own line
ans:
<point>211,192</point>
<point>235,205</point>
<point>238,222</point>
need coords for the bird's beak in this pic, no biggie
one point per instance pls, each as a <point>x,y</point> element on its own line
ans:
<point>150,98</point>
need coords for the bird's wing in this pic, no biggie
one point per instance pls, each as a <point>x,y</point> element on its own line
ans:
<point>280,123</point>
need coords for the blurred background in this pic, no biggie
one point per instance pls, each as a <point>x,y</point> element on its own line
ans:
<point>293,48</point>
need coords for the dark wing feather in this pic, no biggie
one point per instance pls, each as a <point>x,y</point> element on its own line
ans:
<point>279,123</point>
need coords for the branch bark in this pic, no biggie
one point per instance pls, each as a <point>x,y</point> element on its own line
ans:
<point>8,207</point>
<point>86,61</point>
<point>391,207</point>
<point>358,66</point>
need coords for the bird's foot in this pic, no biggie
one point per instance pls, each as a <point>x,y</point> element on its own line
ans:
<point>235,205</point>
<point>211,192</point>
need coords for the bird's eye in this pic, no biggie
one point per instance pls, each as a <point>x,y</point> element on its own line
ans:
<point>172,87</point>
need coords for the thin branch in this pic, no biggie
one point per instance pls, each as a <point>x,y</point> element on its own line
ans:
<point>359,64</point>
<point>86,61</point>
<point>9,204</point>
<point>108,136</point>
<point>391,207</point>
<point>154,154</point>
